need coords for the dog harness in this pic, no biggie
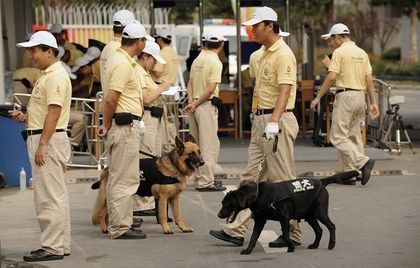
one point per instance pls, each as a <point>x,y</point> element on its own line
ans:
<point>301,192</point>
<point>149,175</point>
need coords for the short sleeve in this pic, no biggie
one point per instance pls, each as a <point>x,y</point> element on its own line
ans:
<point>286,70</point>
<point>215,75</point>
<point>336,60</point>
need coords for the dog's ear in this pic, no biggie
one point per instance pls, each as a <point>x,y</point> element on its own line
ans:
<point>190,138</point>
<point>179,145</point>
<point>241,198</point>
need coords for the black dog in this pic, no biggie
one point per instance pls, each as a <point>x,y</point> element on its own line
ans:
<point>296,199</point>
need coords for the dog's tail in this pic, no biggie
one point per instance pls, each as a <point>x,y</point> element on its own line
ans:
<point>340,177</point>
<point>100,211</point>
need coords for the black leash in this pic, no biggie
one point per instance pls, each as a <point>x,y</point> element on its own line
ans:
<point>147,154</point>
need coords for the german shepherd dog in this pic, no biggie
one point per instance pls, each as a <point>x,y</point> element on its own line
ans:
<point>164,178</point>
<point>282,201</point>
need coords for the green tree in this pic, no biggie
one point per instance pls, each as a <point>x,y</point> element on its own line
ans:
<point>411,9</point>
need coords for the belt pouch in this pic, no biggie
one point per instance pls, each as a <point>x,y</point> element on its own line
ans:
<point>123,119</point>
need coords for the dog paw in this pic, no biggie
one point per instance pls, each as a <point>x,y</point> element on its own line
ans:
<point>290,249</point>
<point>331,245</point>
<point>187,230</point>
<point>246,251</point>
<point>168,231</point>
<point>313,246</point>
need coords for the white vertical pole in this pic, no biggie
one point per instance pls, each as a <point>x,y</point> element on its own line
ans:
<point>2,61</point>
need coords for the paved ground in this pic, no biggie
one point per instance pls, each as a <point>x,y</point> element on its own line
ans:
<point>377,226</point>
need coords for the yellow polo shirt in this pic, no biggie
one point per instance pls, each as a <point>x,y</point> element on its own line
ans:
<point>53,87</point>
<point>351,63</point>
<point>277,66</point>
<point>254,60</point>
<point>206,69</point>
<point>147,83</point>
<point>167,72</point>
<point>106,53</point>
<point>123,78</point>
<point>30,73</point>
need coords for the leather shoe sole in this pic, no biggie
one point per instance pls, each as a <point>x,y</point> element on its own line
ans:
<point>220,234</point>
<point>280,243</point>
<point>144,213</point>
<point>132,234</point>
<point>366,169</point>
<point>211,188</point>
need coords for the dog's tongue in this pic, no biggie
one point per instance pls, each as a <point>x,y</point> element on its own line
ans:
<point>197,172</point>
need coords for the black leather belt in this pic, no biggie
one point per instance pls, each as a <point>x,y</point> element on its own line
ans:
<point>270,111</point>
<point>135,117</point>
<point>345,89</point>
<point>39,131</point>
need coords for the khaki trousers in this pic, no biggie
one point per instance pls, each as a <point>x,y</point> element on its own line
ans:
<point>349,107</point>
<point>203,127</point>
<point>123,143</point>
<point>277,167</point>
<point>50,192</point>
<point>78,120</point>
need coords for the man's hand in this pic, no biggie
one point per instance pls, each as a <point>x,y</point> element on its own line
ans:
<point>374,111</point>
<point>102,131</point>
<point>40,154</point>
<point>314,103</point>
<point>271,130</point>
<point>142,128</point>
<point>19,116</point>
<point>189,109</point>
<point>326,61</point>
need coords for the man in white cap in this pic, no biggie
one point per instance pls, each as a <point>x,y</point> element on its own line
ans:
<point>48,147</point>
<point>57,31</point>
<point>203,105</point>
<point>120,19</point>
<point>273,102</point>
<point>351,71</point>
<point>122,110</point>
<point>167,73</point>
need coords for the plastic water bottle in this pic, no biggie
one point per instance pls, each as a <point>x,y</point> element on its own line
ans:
<point>22,179</point>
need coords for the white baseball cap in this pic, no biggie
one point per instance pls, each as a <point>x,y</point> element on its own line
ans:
<point>93,53</point>
<point>153,50</point>
<point>338,28</point>
<point>210,35</point>
<point>56,28</point>
<point>40,38</point>
<point>80,62</point>
<point>264,14</point>
<point>122,17</point>
<point>134,30</point>
<point>261,14</point>
<point>68,71</point>
<point>164,33</point>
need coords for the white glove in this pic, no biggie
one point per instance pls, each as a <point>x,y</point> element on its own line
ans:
<point>271,130</point>
<point>142,128</point>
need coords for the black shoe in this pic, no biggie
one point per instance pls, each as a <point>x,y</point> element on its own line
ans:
<point>280,243</point>
<point>34,251</point>
<point>137,222</point>
<point>41,255</point>
<point>132,234</point>
<point>220,234</point>
<point>366,169</point>
<point>144,213</point>
<point>211,188</point>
